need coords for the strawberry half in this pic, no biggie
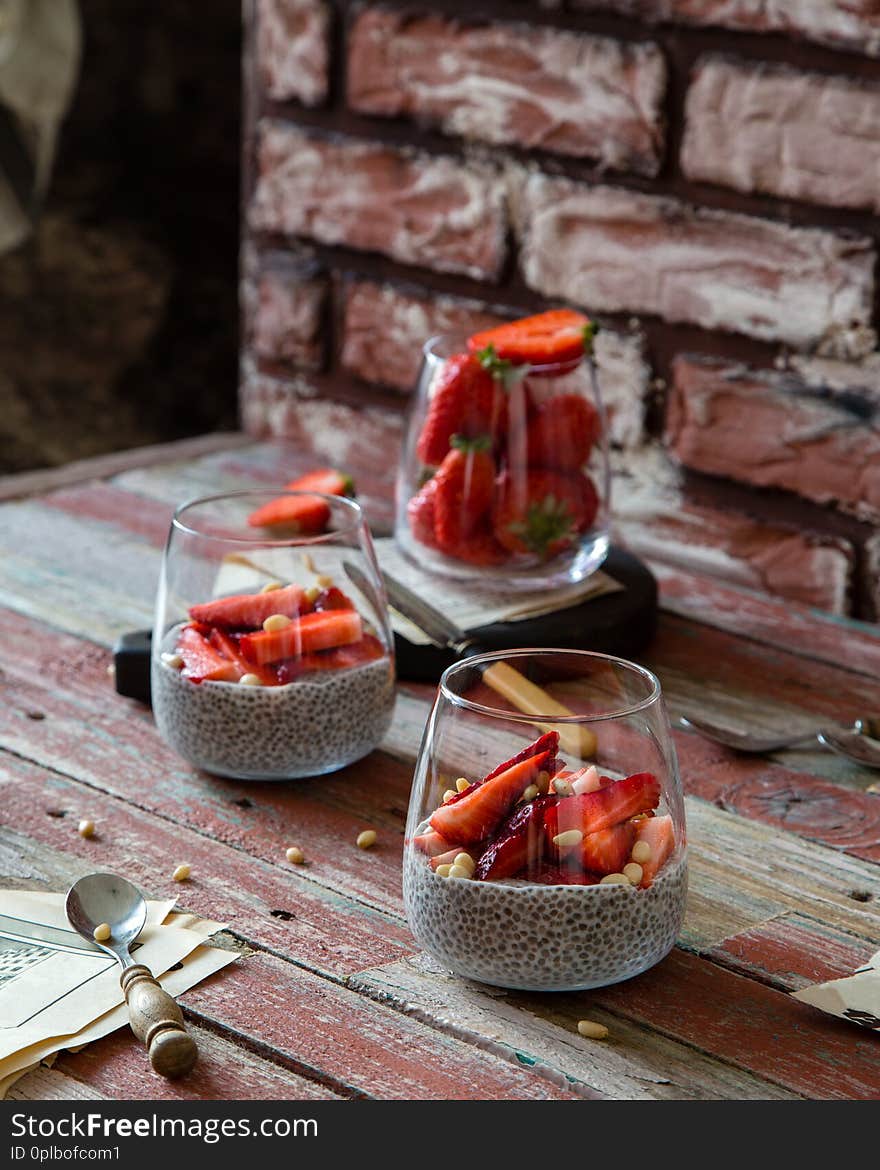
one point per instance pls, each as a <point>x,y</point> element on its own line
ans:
<point>248,611</point>
<point>658,833</point>
<point>554,875</point>
<point>559,336</point>
<point>468,400</point>
<point>201,661</point>
<point>483,807</point>
<point>306,515</point>
<point>311,632</point>
<point>608,850</point>
<point>432,844</point>
<point>594,811</point>
<point>549,742</point>
<point>228,646</point>
<point>543,512</point>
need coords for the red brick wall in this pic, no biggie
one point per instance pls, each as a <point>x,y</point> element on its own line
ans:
<point>703,177</point>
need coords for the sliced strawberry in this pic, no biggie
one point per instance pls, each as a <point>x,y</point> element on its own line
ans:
<point>482,808</point>
<point>518,846</point>
<point>432,844</point>
<point>548,742</point>
<point>608,850</point>
<point>594,811</point>
<point>305,514</point>
<point>332,598</point>
<point>368,649</point>
<point>201,661</point>
<point>229,648</point>
<point>560,336</point>
<point>326,480</point>
<point>311,632</point>
<point>248,611</point>
<point>446,858</point>
<point>554,875</point>
<point>658,833</point>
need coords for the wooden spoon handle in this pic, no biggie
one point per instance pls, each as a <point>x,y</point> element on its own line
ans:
<point>574,738</point>
<point>157,1022</point>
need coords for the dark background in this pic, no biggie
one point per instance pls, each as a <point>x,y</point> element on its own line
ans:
<point>119,318</point>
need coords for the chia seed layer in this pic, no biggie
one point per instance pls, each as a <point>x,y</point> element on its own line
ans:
<point>315,725</point>
<point>544,938</point>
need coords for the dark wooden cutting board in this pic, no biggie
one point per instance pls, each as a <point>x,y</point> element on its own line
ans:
<point>619,623</point>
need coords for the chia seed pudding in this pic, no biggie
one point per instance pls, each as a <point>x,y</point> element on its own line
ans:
<point>531,937</point>
<point>317,724</point>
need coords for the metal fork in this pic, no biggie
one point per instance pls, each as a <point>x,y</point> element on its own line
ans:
<point>860,742</point>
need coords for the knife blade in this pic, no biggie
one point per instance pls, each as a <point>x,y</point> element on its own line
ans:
<point>526,696</point>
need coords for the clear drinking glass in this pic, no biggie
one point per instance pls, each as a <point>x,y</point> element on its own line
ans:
<point>547,522</point>
<point>308,693</point>
<point>575,875</point>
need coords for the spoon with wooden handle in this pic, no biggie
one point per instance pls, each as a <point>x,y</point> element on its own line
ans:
<point>107,899</point>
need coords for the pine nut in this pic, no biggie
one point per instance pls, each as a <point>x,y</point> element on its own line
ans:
<point>464,861</point>
<point>568,838</point>
<point>562,787</point>
<point>181,874</point>
<point>529,793</point>
<point>271,586</point>
<point>312,594</point>
<point>102,932</point>
<point>461,784</point>
<point>86,828</point>
<point>634,872</point>
<point>308,562</point>
<point>543,782</point>
<point>615,879</point>
<point>367,839</point>
<point>250,680</point>
<point>448,795</point>
<point>173,660</point>
<point>459,871</point>
<point>591,1029</point>
<point>324,581</point>
<point>443,870</point>
<point>641,852</point>
<point>276,621</point>
<point>295,855</point>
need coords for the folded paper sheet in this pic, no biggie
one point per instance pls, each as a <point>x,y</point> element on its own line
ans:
<point>855,998</point>
<point>59,991</point>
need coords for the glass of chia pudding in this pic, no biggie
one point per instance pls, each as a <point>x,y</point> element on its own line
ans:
<point>273,657</point>
<point>546,853</point>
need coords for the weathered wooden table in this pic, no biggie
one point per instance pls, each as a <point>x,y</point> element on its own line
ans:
<point>331,998</point>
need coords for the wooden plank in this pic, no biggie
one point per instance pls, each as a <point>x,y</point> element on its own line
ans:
<point>376,1051</point>
<point>117,1067</point>
<point>753,1026</point>
<point>634,1064</point>
<point>28,483</point>
<point>275,906</point>
<point>48,1084</point>
<point>792,952</point>
<point>805,632</point>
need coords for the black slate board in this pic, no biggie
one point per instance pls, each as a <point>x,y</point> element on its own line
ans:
<point>620,623</point>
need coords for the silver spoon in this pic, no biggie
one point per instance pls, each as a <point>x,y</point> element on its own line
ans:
<point>155,1018</point>
<point>860,743</point>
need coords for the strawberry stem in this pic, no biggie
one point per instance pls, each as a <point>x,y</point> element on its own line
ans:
<point>589,332</point>
<point>462,443</point>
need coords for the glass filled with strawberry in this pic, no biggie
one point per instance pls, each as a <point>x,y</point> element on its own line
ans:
<point>504,475</point>
<point>272,653</point>
<point>542,853</point>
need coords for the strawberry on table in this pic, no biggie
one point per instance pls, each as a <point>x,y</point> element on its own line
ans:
<point>201,661</point>
<point>468,400</point>
<point>311,632</point>
<point>248,611</point>
<point>560,336</point>
<point>561,433</point>
<point>659,834</point>
<point>480,809</point>
<point>463,488</point>
<point>307,515</point>
<point>543,512</point>
<point>594,811</point>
